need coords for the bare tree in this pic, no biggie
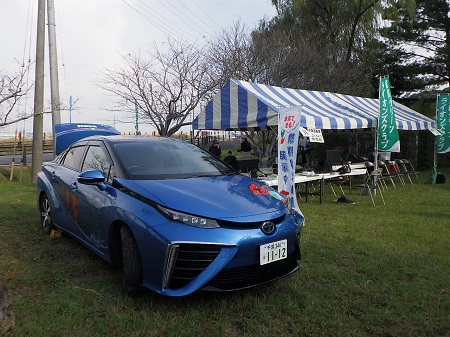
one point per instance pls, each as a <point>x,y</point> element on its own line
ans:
<point>231,55</point>
<point>13,86</point>
<point>236,53</point>
<point>165,88</point>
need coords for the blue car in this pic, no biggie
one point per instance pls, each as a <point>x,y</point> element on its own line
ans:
<point>175,218</point>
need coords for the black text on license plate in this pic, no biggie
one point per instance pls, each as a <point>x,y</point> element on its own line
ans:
<point>271,252</point>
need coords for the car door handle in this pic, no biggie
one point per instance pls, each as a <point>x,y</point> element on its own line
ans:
<point>74,185</point>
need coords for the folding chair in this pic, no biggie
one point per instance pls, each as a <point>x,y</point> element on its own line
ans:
<point>410,169</point>
<point>370,167</point>
<point>402,169</point>
<point>385,172</point>
<point>338,181</point>
<point>394,170</point>
<point>371,184</point>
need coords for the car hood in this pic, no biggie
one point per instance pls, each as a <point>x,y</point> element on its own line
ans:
<point>220,197</point>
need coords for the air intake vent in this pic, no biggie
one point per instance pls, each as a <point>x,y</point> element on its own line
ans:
<point>192,259</point>
<point>244,277</point>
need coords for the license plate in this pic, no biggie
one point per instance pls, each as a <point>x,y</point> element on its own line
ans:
<point>271,252</point>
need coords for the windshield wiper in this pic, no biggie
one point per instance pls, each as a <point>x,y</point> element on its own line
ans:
<point>197,176</point>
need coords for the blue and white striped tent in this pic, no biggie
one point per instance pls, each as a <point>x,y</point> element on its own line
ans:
<point>242,105</point>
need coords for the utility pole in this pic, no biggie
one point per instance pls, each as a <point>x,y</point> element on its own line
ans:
<point>38,119</point>
<point>53,57</point>
<point>137,117</point>
<point>70,108</point>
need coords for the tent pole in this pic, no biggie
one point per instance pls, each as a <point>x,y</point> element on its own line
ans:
<point>375,151</point>
<point>434,170</point>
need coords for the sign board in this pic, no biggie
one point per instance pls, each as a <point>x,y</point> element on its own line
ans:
<point>314,135</point>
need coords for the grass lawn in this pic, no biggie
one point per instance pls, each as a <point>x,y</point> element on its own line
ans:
<point>365,271</point>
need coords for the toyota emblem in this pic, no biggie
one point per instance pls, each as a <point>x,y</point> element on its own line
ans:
<point>268,227</point>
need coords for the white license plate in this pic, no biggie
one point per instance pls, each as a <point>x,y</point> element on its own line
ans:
<point>271,252</point>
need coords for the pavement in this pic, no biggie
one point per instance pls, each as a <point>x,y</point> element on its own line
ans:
<point>7,160</point>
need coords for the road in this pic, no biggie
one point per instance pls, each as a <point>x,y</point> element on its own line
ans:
<point>6,160</point>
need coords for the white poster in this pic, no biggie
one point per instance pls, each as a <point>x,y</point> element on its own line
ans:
<point>314,135</point>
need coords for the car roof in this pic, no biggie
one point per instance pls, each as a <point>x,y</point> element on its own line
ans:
<point>134,139</point>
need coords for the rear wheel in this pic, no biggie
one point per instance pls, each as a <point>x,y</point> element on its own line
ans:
<point>132,268</point>
<point>46,215</point>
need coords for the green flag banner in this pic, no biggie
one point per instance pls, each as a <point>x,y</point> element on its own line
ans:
<point>443,123</point>
<point>388,139</point>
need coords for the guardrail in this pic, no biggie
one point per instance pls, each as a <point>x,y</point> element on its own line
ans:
<point>10,147</point>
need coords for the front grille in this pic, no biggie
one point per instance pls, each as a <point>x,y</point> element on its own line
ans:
<point>248,225</point>
<point>192,259</point>
<point>244,277</point>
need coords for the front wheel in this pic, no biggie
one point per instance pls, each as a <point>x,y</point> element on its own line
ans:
<point>46,215</point>
<point>131,261</point>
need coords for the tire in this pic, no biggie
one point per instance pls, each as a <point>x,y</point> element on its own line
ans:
<point>46,215</point>
<point>131,262</point>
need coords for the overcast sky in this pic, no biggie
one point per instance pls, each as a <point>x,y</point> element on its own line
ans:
<point>93,34</point>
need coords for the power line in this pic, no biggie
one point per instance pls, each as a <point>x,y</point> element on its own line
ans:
<point>180,17</point>
<point>213,21</point>
<point>198,17</point>
<point>169,29</point>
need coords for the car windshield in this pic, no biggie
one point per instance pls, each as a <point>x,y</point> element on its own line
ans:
<point>167,159</point>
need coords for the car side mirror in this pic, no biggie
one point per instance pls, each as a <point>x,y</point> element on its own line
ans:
<point>94,177</point>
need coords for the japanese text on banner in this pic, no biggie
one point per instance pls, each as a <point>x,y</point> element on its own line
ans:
<point>388,139</point>
<point>443,123</point>
<point>288,131</point>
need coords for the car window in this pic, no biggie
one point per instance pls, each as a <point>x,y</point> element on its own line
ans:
<point>97,159</point>
<point>73,157</point>
<point>168,160</point>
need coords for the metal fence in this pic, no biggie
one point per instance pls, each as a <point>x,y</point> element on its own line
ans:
<point>18,148</point>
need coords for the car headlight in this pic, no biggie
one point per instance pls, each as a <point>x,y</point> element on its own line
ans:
<point>288,204</point>
<point>188,219</point>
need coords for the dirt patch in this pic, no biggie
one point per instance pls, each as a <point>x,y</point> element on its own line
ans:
<point>7,317</point>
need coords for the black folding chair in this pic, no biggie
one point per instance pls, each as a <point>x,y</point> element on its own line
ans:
<point>394,170</point>
<point>385,172</point>
<point>402,169</point>
<point>370,167</point>
<point>410,168</point>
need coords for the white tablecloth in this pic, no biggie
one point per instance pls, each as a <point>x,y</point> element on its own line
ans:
<point>272,180</point>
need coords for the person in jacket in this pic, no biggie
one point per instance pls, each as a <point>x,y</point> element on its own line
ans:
<point>246,147</point>
<point>231,160</point>
<point>215,149</point>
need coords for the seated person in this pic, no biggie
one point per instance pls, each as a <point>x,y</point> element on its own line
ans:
<point>231,160</point>
<point>215,149</point>
<point>246,147</point>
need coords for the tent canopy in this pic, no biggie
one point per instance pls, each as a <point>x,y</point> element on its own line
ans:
<point>242,105</point>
